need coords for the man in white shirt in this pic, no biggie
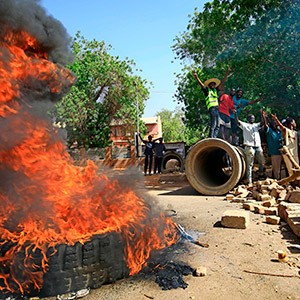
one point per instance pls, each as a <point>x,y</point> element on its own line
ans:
<point>252,145</point>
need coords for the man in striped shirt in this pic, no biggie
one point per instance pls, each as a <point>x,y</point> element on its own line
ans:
<point>252,145</point>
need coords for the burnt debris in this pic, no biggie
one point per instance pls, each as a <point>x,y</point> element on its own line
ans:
<point>170,275</point>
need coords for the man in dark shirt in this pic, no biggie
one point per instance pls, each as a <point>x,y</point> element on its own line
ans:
<point>160,150</point>
<point>149,147</point>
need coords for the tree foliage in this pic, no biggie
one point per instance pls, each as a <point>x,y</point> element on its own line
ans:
<point>105,90</point>
<point>258,39</point>
<point>172,125</point>
<point>174,128</point>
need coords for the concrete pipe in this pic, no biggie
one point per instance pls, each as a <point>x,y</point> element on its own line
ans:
<point>214,167</point>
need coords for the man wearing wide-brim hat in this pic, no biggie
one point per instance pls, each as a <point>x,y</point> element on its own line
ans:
<point>211,88</point>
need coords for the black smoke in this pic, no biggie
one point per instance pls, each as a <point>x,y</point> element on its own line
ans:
<point>30,16</point>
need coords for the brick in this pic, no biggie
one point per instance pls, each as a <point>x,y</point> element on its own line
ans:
<point>271,211</point>
<point>241,192</point>
<point>274,220</point>
<point>282,194</point>
<point>274,193</point>
<point>269,203</point>
<point>265,197</point>
<point>259,209</point>
<point>273,185</point>
<point>294,223</point>
<point>264,187</point>
<point>235,219</point>
<point>238,200</point>
<point>229,196</point>
<point>248,206</point>
<point>290,212</point>
<point>256,195</point>
<point>293,197</point>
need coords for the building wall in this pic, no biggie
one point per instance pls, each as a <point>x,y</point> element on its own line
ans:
<point>123,143</point>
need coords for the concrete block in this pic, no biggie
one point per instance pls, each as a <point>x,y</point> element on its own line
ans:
<point>235,219</point>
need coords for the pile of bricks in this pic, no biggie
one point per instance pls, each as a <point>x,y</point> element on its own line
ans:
<point>267,198</point>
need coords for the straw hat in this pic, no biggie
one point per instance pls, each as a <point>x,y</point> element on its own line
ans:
<point>216,80</point>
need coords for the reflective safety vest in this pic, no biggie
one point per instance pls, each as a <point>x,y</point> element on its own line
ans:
<point>212,98</point>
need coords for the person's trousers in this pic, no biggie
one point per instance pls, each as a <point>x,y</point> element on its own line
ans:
<point>251,153</point>
<point>214,121</point>
<point>157,164</point>
<point>148,163</point>
<point>276,165</point>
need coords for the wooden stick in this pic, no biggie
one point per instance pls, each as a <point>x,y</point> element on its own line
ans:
<point>290,178</point>
<point>271,274</point>
<point>287,152</point>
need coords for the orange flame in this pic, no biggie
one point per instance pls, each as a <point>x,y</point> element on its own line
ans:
<point>46,200</point>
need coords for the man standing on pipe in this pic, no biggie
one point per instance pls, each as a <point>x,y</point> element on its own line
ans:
<point>252,144</point>
<point>225,107</point>
<point>210,89</point>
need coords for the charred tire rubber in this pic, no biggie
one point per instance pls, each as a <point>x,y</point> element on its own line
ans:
<point>88,265</point>
<point>173,155</point>
<point>214,167</point>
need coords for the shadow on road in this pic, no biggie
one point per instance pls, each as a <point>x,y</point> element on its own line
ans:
<point>183,191</point>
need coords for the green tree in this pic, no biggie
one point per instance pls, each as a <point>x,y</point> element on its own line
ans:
<point>175,130</point>
<point>259,40</point>
<point>105,90</point>
<point>172,125</point>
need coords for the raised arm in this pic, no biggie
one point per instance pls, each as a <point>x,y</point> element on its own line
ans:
<point>144,141</point>
<point>198,79</point>
<point>257,100</point>
<point>282,127</point>
<point>264,118</point>
<point>225,77</point>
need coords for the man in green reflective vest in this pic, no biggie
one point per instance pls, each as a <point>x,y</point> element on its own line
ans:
<point>210,88</point>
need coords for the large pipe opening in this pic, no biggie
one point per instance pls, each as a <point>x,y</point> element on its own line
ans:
<point>214,167</point>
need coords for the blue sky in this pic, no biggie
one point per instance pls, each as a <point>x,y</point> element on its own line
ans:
<point>142,30</point>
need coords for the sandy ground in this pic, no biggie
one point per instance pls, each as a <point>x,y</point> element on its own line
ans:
<point>231,253</point>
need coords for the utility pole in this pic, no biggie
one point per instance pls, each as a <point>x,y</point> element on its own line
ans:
<point>137,126</point>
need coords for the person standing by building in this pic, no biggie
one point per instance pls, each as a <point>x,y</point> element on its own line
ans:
<point>239,103</point>
<point>149,147</point>
<point>252,145</point>
<point>225,107</point>
<point>210,89</point>
<point>160,150</point>
<point>274,144</point>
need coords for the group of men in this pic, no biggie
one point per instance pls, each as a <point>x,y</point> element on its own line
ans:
<point>222,109</point>
<point>224,122</point>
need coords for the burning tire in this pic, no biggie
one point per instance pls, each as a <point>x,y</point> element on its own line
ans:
<point>92,264</point>
<point>178,162</point>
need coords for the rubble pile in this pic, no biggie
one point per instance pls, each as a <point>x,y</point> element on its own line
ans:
<point>268,197</point>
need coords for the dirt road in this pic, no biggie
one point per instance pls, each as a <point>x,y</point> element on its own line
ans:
<point>231,254</point>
